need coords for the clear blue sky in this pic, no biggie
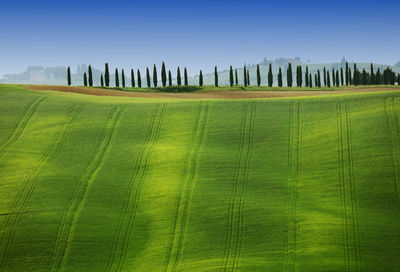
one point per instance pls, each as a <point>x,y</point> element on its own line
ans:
<point>198,34</point>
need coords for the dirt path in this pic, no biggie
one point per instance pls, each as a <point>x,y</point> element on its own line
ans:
<point>203,95</point>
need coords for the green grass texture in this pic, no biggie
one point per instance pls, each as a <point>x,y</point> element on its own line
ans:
<point>126,184</point>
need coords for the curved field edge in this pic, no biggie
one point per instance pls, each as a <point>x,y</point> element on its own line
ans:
<point>290,184</point>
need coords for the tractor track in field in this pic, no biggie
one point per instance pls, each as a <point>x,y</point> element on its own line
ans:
<point>294,170</point>
<point>91,172</point>
<point>342,185</point>
<point>142,176</point>
<point>242,167</point>
<point>128,203</point>
<point>231,211</point>
<point>349,194</point>
<point>393,127</point>
<point>30,184</point>
<point>76,197</point>
<point>242,199</point>
<point>185,194</point>
<point>21,123</point>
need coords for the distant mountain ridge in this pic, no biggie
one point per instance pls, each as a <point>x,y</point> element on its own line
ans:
<point>57,75</point>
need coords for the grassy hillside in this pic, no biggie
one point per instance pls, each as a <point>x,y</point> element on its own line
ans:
<point>120,184</point>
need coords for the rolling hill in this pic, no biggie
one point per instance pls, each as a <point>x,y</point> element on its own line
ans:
<point>101,183</point>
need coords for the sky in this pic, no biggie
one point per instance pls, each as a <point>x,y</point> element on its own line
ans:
<point>195,34</point>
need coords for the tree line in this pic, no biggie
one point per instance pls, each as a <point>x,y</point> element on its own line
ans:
<point>339,77</point>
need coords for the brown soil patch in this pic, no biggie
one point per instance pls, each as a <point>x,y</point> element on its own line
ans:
<point>203,95</point>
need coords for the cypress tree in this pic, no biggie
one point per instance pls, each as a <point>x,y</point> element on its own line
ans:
<point>90,76</point>
<point>270,76</point>
<point>258,76</point>
<point>333,77</point>
<point>248,77</point>
<point>123,78</point>
<point>310,81</point>
<point>372,79</point>
<point>163,75</point>
<point>185,75</point>
<point>280,81</point>
<point>201,78</point>
<point>69,76</point>
<point>355,77</point>
<point>244,76</point>
<point>328,79</point>
<point>299,76</point>
<point>231,76</point>
<point>337,78</point>
<point>347,74</point>
<point>178,77</point>
<point>236,78</point>
<point>107,76</point>
<point>307,78</point>
<point>364,77</point>
<point>148,77</point>
<point>84,79</point>
<point>169,78</point>
<point>398,79</point>
<point>319,79</point>
<point>350,78</point>
<point>378,77</point>
<point>155,79</point>
<point>216,76</point>
<point>289,76</point>
<point>116,78</point>
<point>324,76</point>
<point>132,78</point>
<point>341,76</point>
<point>316,80</point>
<point>101,81</point>
<point>139,79</point>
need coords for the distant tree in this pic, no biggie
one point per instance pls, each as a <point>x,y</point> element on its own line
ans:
<point>248,77</point>
<point>258,76</point>
<point>316,80</point>
<point>231,75</point>
<point>236,78</point>
<point>101,80</point>
<point>328,79</point>
<point>398,79</point>
<point>270,76</point>
<point>333,77</point>
<point>378,77</point>
<point>364,77</point>
<point>289,76</point>
<point>148,77</point>
<point>341,76</point>
<point>90,76</point>
<point>163,75</point>
<point>84,79</point>
<point>325,83</point>
<point>245,76</point>
<point>139,79</point>
<point>355,76</point>
<point>155,79</point>
<point>169,78</point>
<point>216,76</point>
<point>107,76</point>
<point>201,78</point>
<point>116,78</point>
<point>178,77</point>
<point>349,77</point>
<point>319,79</point>
<point>280,81</point>
<point>299,76</point>
<point>310,81</point>
<point>347,74</point>
<point>307,77</point>
<point>69,76</point>
<point>337,79</point>
<point>372,78</point>
<point>132,78</point>
<point>185,75</point>
<point>123,78</point>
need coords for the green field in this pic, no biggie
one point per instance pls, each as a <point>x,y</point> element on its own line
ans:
<point>126,184</point>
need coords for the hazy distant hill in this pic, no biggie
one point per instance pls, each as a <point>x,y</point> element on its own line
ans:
<point>57,75</point>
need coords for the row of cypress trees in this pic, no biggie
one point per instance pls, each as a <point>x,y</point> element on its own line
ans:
<point>330,78</point>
